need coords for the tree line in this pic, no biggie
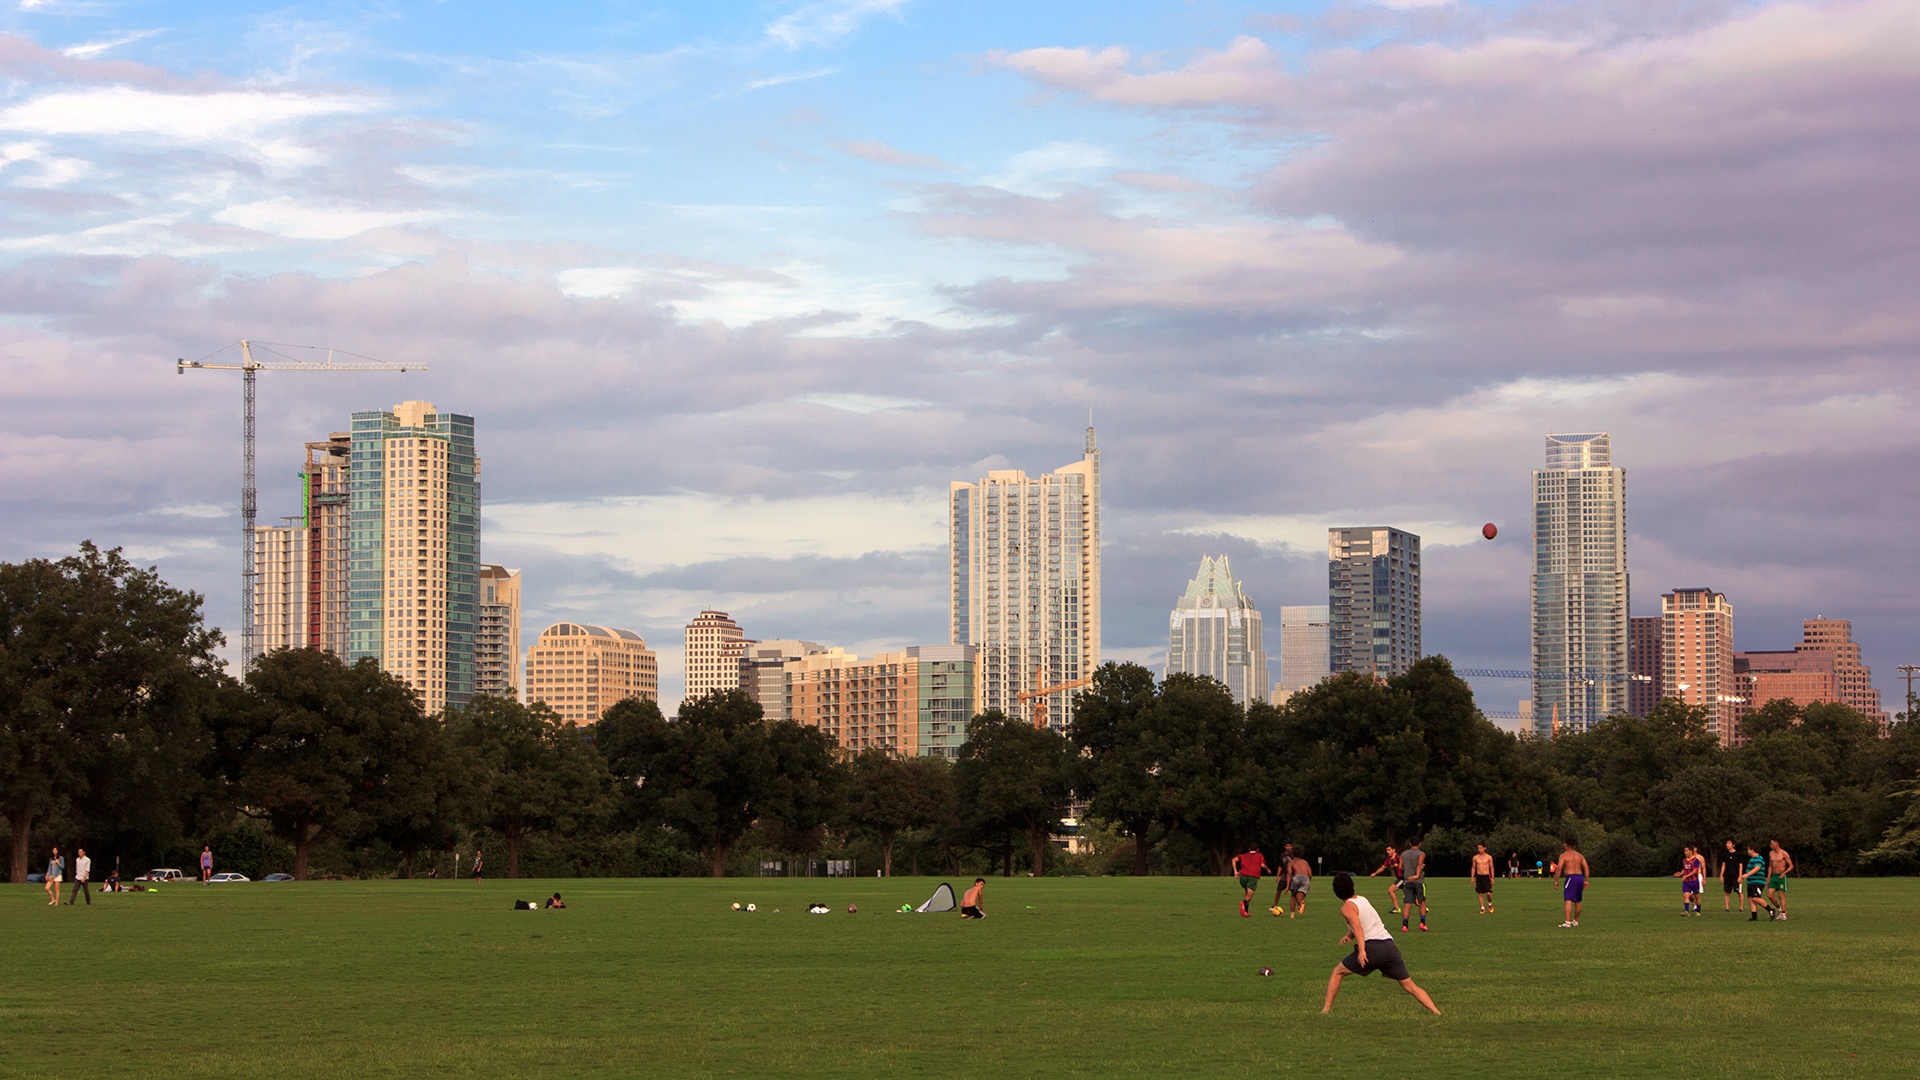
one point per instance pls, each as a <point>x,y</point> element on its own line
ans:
<point>121,730</point>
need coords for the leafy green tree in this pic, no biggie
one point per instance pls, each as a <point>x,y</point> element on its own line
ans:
<point>1701,805</point>
<point>890,794</point>
<point>1216,765</point>
<point>1607,772</point>
<point>708,774</point>
<point>536,771</point>
<point>1792,819</point>
<point>1115,722</point>
<point>1014,778</point>
<point>807,789</point>
<point>425,813</point>
<point>105,671</point>
<point>1899,846</point>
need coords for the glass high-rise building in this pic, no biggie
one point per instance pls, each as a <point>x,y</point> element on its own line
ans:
<point>1580,660</point>
<point>413,552</point>
<point>1304,649</point>
<point>1373,600</point>
<point>1025,581</point>
<point>1216,631</point>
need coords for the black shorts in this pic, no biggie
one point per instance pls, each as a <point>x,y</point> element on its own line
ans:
<point>1382,956</point>
<point>1756,888</point>
<point>1729,884</point>
<point>1483,883</point>
<point>1413,892</point>
<point>971,912</point>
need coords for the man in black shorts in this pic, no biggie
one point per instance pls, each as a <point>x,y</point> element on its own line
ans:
<point>1483,879</point>
<point>1413,883</point>
<point>1373,948</point>
<point>1729,875</point>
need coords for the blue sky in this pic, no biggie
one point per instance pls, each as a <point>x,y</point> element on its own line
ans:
<point>734,290</point>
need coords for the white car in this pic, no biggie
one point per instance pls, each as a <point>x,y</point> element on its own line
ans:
<point>161,875</point>
<point>218,878</point>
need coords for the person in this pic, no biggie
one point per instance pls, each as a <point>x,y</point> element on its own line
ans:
<point>1391,865</point>
<point>56,869</point>
<point>433,873</point>
<point>1413,883</point>
<point>479,866</point>
<point>112,882</point>
<point>1693,870</point>
<point>1729,876</point>
<point>82,872</point>
<point>1248,865</point>
<point>1513,864</point>
<point>1299,879</point>
<point>1753,884</point>
<point>1483,878</point>
<point>206,864</point>
<point>554,901</point>
<point>1572,870</point>
<point>970,904</point>
<point>1280,877</point>
<point>1779,865</point>
<point>1373,948</point>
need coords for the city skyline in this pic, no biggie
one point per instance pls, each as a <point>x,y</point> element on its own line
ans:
<point>733,313</point>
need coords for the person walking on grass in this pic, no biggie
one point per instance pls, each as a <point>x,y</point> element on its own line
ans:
<point>970,904</point>
<point>1729,876</point>
<point>1573,871</point>
<point>82,873</point>
<point>1413,883</point>
<point>1779,865</point>
<point>1753,884</point>
<point>56,869</point>
<point>1391,866</point>
<point>206,864</point>
<point>1483,878</point>
<point>1373,948</point>
<point>1248,866</point>
<point>479,866</point>
<point>1693,870</point>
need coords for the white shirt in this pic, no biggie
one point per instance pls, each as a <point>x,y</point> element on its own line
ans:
<point>82,868</point>
<point>1371,928</point>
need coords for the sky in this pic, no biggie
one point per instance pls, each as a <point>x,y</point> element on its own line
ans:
<point>734,291</point>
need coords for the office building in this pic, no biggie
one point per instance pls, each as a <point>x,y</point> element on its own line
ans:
<point>414,548</point>
<point>913,703</point>
<point>1373,600</point>
<point>715,644</point>
<point>326,506</point>
<point>1304,649</point>
<point>1853,678</point>
<point>1646,669</point>
<point>1024,577</point>
<point>1579,584</point>
<point>280,587</point>
<point>496,643</point>
<point>1802,677</point>
<point>1216,631</point>
<point>581,671</point>
<point>763,671</point>
<point>1696,648</point>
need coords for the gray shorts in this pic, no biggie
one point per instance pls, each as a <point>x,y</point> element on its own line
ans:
<point>1299,883</point>
<point>1383,956</point>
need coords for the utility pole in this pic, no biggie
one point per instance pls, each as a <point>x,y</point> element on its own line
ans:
<point>1907,672</point>
<point>248,368</point>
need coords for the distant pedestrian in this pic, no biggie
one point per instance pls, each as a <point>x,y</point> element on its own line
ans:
<point>1391,867</point>
<point>970,904</point>
<point>1373,948</point>
<point>1572,870</point>
<point>1692,873</point>
<point>56,869</point>
<point>82,873</point>
<point>1413,883</point>
<point>1513,864</point>
<point>1483,879</point>
<point>1753,884</point>
<point>206,864</point>
<point>479,867</point>
<point>1729,876</point>
<point>1779,865</point>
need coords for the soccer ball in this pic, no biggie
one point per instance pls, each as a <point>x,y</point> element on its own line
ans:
<point>1266,971</point>
<point>851,909</point>
<point>750,907</point>
<point>736,905</point>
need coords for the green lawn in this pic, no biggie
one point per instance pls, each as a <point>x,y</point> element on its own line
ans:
<point>1078,977</point>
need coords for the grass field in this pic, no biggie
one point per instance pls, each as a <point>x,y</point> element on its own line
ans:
<point>1075,977</point>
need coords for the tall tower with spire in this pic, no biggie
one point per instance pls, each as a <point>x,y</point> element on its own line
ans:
<point>1024,576</point>
<point>1216,631</point>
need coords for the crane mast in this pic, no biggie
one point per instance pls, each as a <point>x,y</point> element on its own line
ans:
<point>249,369</point>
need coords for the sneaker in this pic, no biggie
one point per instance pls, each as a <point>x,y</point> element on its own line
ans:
<point>1423,927</point>
<point>1243,910</point>
<point>1565,925</point>
<point>1783,916</point>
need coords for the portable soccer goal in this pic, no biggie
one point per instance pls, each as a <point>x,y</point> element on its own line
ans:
<point>941,900</point>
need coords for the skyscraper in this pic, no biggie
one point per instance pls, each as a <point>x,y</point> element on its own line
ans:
<point>1696,649</point>
<point>1025,580</point>
<point>280,587</point>
<point>414,548</point>
<point>763,671</point>
<point>1579,584</point>
<point>913,703</point>
<point>1855,678</point>
<point>326,506</point>
<point>715,644</point>
<point>1644,664</point>
<point>1373,600</point>
<point>582,671</point>
<point>496,644</point>
<point>1215,631</point>
<point>1304,648</point>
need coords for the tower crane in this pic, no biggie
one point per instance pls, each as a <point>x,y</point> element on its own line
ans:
<point>249,368</point>
<point>1038,696</point>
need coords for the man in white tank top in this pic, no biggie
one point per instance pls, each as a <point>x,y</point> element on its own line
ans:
<point>1373,948</point>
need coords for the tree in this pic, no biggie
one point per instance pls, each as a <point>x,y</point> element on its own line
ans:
<point>321,750</point>
<point>1216,769</point>
<point>1701,805</point>
<point>536,770</point>
<point>806,789</point>
<point>1608,771</point>
<point>708,774</point>
<point>425,814</point>
<point>1014,778</point>
<point>1116,723</point>
<point>105,671</point>
<point>893,793</point>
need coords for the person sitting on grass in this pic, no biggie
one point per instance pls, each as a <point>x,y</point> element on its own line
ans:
<point>1373,948</point>
<point>970,903</point>
<point>554,901</point>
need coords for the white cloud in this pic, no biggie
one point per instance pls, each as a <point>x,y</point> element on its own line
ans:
<point>302,220</point>
<point>1307,533</point>
<point>863,403</point>
<point>797,76</point>
<point>223,116</point>
<point>89,49</point>
<point>825,23</point>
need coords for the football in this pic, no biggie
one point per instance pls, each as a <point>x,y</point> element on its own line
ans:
<point>1266,971</point>
<point>851,909</point>
<point>736,905</point>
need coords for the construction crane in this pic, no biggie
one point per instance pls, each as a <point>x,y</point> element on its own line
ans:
<point>248,368</point>
<point>1039,696</point>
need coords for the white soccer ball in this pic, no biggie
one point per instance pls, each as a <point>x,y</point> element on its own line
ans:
<point>736,905</point>
<point>749,907</point>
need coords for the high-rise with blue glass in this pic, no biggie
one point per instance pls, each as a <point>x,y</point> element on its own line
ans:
<point>414,549</point>
<point>1580,662</point>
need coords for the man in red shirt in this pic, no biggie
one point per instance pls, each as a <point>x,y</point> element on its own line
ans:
<point>1249,865</point>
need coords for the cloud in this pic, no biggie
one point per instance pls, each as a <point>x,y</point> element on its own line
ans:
<point>827,22</point>
<point>881,154</point>
<point>90,49</point>
<point>797,76</point>
<point>223,116</point>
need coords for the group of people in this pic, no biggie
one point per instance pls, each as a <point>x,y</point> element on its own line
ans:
<point>82,875</point>
<point>1292,877</point>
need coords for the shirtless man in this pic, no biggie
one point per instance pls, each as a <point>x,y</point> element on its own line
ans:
<point>1572,870</point>
<point>1391,865</point>
<point>1693,869</point>
<point>1280,872</point>
<point>1299,878</point>
<point>1483,879</point>
<point>1779,865</point>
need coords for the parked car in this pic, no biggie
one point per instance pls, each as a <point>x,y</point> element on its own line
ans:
<point>218,878</point>
<point>278,877</point>
<point>163,874</point>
